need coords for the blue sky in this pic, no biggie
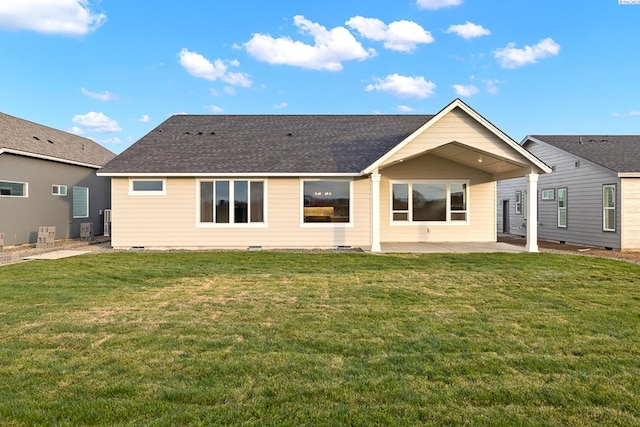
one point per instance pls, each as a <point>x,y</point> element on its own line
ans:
<point>112,70</point>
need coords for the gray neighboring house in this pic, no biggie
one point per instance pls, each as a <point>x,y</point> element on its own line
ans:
<point>592,197</point>
<point>48,178</point>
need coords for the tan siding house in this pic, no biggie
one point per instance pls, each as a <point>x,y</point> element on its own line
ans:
<point>314,181</point>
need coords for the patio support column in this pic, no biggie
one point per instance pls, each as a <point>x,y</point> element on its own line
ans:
<point>375,213</point>
<point>532,212</point>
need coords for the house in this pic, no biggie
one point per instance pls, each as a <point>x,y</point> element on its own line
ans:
<point>592,197</point>
<point>48,178</point>
<point>314,181</point>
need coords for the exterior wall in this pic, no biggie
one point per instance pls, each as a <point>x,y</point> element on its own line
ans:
<point>457,126</point>
<point>481,226</point>
<point>169,221</point>
<point>20,217</point>
<point>630,213</point>
<point>584,200</point>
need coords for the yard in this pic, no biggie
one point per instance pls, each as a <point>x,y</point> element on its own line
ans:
<point>275,338</point>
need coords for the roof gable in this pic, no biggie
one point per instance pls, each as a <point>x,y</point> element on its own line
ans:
<point>619,153</point>
<point>265,144</point>
<point>23,137</point>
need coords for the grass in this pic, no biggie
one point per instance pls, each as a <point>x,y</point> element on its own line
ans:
<point>259,338</point>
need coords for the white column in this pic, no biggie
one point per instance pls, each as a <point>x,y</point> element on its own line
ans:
<point>532,212</point>
<point>375,212</point>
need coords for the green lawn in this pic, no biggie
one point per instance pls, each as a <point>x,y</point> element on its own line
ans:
<point>260,338</point>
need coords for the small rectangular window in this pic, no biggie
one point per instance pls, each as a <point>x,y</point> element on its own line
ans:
<point>549,194</point>
<point>80,202</point>
<point>609,207</point>
<point>13,189</point>
<point>59,190</point>
<point>562,207</point>
<point>518,203</point>
<point>147,187</point>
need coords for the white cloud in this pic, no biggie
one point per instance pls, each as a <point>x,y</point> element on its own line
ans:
<point>330,48</point>
<point>626,115</point>
<point>213,108</point>
<point>437,4</point>
<point>104,96</point>
<point>403,86</point>
<point>93,122</point>
<point>512,57</point>
<point>469,30</point>
<point>281,106</point>
<point>114,140</point>
<point>491,86</point>
<point>402,36</point>
<point>67,17</point>
<point>465,90</point>
<point>199,66</point>
<point>404,108</point>
<point>144,119</point>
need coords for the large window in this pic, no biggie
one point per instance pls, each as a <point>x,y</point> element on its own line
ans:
<point>80,202</point>
<point>326,201</point>
<point>13,189</point>
<point>429,201</point>
<point>609,207</point>
<point>232,202</point>
<point>562,207</point>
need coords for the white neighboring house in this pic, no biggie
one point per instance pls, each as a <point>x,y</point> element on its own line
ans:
<point>592,197</point>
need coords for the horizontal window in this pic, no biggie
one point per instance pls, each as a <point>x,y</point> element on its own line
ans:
<point>13,189</point>
<point>59,190</point>
<point>232,202</point>
<point>147,187</point>
<point>326,201</point>
<point>549,194</point>
<point>429,202</point>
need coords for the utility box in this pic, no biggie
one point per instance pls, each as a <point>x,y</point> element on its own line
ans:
<point>86,231</point>
<point>46,237</point>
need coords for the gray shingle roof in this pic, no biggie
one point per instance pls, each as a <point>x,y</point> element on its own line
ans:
<point>620,153</point>
<point>25,136</point>
<point>203,144</point>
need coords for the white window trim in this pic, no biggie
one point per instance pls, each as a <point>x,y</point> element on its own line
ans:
<point>326,224</point>
<point>565,208</point>
<point>411,222</point>
<point>518,203</point>
<point>132,192</point>
<point>605,209</point>
<point>232,224</point>
<point>26,189</point>
<point>59,187</point>
<point>73,201</point>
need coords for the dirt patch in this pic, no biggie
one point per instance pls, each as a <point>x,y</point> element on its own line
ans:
<point>551,246</point>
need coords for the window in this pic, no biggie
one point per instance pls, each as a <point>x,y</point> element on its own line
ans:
<point>232,202</point>
<point>519,202</point>
<point>326,201</point>
<point>429,201</point>
<point>147,187</point>
<point>80,202</point>
<point>609,207</point>
<point>548,194</point>
<point>59,190</point>
<point>562,207</point>
<point>13,189</point>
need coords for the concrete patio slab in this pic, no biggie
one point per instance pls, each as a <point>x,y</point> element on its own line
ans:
<point>450,247</point>
<point>56,255</point>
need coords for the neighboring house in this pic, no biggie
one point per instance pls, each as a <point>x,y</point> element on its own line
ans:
<point>313,181</point>
<point>48,178</point>
<point>592,197</point>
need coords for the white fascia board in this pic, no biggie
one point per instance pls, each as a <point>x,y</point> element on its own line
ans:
<point>50,158</point>
<point>628,174</point>
<point>229,174</point>
<point>458,103</point>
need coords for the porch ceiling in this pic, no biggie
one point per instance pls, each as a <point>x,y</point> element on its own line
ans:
<point>488,162</point>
